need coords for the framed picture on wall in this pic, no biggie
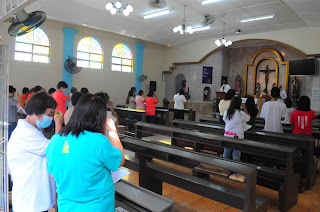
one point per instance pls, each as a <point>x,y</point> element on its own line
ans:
<point>207,75</point>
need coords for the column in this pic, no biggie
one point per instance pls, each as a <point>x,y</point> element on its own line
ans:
<point>139,64</point>
<point>68,49</point>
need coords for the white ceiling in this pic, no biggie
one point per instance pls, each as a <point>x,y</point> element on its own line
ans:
<point>289,14</point>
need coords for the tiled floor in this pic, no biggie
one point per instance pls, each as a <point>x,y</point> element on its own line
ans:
<point>185,201</point>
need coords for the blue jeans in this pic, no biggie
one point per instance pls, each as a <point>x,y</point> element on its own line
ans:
<point>235,154</point>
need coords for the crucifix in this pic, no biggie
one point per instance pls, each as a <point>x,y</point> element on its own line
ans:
<point>266,78</point>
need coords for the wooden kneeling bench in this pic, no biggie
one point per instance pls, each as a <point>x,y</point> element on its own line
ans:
<point>151,175</point>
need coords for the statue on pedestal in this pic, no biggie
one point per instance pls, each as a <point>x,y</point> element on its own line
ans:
<point>258,89</point>
<point>295,87</point>
<point>238,84</point>
<point>266,78</point>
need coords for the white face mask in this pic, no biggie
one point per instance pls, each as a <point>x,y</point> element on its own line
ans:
<point>62,90</point>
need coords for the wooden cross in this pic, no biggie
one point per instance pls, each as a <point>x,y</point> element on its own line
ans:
<point>266,78</point>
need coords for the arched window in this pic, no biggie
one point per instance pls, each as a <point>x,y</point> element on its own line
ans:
<point>122,58</point>
<point>33,47</point>
<point>90,53</point>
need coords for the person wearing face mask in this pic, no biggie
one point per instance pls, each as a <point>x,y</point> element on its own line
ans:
<point>61,98</point>
<point>33,189</point>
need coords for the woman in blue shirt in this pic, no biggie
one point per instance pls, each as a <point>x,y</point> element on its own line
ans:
<point>80,158</point>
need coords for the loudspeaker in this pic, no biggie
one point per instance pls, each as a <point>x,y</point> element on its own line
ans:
<point>153,85</point>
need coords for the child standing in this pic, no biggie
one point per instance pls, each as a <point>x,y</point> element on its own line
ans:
<point>61,98</point>
<point>235,127</point>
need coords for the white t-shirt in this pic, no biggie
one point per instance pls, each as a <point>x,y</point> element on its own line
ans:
<point>179,101</point>
<point>288,115</point>
<point>33,189</point>
<point>225,88</point>
<point>283,94</point>
<point>272,112</point>
<point>237,125</point>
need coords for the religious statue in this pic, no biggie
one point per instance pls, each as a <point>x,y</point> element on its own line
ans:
<point>258,89</point>
<point>186,89</point>
<point>266,78</point>
<point>295,87</point>
<point>238,84</point>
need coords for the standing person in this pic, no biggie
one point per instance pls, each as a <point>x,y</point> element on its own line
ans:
<point>24,95</point>
<point>51,91</point>
<point>253,111</point>
<point>73,90</point>
<point>225,103</point>
<point>235,120</point>
<point>131,101</point>
<point>111,113</point>
<point>84,90</point>
<point>134,89</point>
<point>179,101</point>
<point>273,112</point>
<point>289,111</point>
<point>35,90</point>
<point>13,108</point>
<point>140,101</point>
<point>151,101</point>
<point>225,87</point>
<point>81,158</point>
<point>283,94</point>
<point>61,98</point>
<point>33,189</point>
<point>301,119</point>
<point>74,99</point>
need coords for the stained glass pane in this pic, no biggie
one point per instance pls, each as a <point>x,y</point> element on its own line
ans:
<point>35,42</point>
<point>116,67</point>
<point>96,57</point>
<point>40,50</point>
<point>126,69</point>
<point>83,56</point>
<point>40,59</point>
<point>126,52</point>
<point>95,65</point>
<point>126,62</point>
<point>22,56</point>
<point>82,63</point>
<point>90,49</point>
<point>23,47</point>
<point>123,51</point>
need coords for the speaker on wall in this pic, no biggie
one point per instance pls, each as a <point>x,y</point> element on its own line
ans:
<point>153,86</point>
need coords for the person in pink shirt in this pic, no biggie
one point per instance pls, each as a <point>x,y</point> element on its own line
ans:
<point>140,101</point>
<point>61,98</point>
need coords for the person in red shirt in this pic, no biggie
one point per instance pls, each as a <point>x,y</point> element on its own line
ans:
<point>301,119</point>
<point>23,97</point>
<point>61,98</point>
<point>151,101</point>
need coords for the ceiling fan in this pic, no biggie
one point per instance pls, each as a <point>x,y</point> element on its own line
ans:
<point>157,4</point>
<point>208,20</point>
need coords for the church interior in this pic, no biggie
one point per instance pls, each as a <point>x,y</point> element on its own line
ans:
<point>189,50</point>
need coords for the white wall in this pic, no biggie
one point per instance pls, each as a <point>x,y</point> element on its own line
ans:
<point>117,84</point>
<point>304,39</point>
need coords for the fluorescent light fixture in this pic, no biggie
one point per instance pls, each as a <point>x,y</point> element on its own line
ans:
<point>157,14</point>
<point>201,28</point>
<point>133,36</point>
<point>257,18</point>
<point>209,1</point>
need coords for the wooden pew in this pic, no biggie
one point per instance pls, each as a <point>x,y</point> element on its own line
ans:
<point>260,126</point>
<point>305,164</point>
<point>123,114</point>
<point>151,175</point>
<point>283,180</point>
<point>191,113</point>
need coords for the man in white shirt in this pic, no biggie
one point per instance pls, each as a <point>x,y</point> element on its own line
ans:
<point>283,93</point>
<point>225,87</point>
<point>179,100</point>
<point>273,112</point>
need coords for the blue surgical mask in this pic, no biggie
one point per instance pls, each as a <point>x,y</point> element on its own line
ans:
<point>46,121</point>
